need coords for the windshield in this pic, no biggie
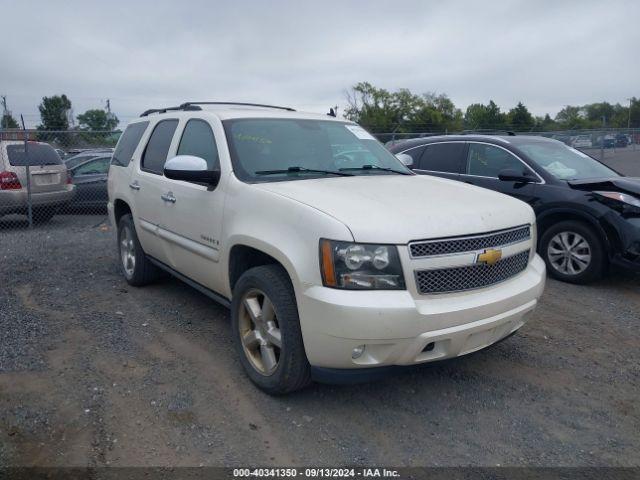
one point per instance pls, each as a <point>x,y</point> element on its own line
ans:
<point>565,163</point>
<point>273,149</point>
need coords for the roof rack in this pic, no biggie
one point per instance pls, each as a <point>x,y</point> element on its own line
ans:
<point>193,106</point>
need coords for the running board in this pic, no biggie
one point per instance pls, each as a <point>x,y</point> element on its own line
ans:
<point>201,288</point>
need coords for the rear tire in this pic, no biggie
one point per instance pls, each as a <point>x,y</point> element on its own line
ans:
<point>135,266</point>
<point>266,330</point>
<point>574,252</point>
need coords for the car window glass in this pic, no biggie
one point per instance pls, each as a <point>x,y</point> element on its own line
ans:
<point>415,153</point>
<point>198,140</point>
<point>442,157</point>
<point>487,160</point>
<point>94,167</point>
<point>155,154</point>
<point>36,154</point>
<point>128,143</point>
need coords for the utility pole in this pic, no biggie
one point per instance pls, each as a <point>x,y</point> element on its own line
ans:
<point>4,110</point>
<point>108,107</point>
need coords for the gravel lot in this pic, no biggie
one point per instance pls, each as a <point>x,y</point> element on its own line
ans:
<point>94,372</point>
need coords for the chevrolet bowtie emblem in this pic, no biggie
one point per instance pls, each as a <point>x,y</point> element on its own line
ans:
<point>490,257</point>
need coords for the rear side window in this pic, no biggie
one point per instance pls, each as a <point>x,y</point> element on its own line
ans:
<point>128,143</point>
<point>415,153</point>
<point>155,155</point>
<point>36,154</point>
<point>442,157</point>
<point>198,140</point>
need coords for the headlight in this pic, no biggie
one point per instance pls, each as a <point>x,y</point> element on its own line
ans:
<point>620,198</point>
<point>360,266</point>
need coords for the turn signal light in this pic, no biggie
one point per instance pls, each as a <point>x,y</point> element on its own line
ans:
<point>9,181</point>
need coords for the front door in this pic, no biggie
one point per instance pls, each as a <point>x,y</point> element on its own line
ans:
<point>484,163</point>
<point>192,213</point>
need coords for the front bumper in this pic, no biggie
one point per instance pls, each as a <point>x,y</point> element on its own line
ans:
<point>398,329</point>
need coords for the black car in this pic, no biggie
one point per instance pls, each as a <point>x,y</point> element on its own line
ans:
<point>588,215</point>
<point>622,140</point>
<point>90,179</point>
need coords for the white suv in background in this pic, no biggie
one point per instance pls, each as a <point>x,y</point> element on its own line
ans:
<point>333,257</point>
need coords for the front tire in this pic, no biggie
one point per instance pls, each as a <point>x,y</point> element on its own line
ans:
<point>135,266</point>
<point>266,330</point>
<point>573,252</point>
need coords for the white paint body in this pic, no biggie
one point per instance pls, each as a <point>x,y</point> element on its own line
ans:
<point>287,219</point>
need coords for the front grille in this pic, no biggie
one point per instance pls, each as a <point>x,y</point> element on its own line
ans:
<point>472,276</point>
<point>428,248</point>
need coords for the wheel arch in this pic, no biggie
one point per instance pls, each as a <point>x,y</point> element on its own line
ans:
<point>247,253</point>
<point>549,218</point>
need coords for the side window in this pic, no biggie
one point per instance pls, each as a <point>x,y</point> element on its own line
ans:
<point>442,157</point>
<point>128,143</point>
<point>198,140</point>
<point>97,166</point>
<point>155,154</point>
<point>415,153</point>
<point>487,160</point>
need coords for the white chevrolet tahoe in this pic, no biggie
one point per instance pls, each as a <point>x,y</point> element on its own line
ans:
<point>332,256</point>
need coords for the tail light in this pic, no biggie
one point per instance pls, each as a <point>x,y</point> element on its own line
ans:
<point>69,178</point>
<point>9,181</point>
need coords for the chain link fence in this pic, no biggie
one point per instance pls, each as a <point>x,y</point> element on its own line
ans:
<point>61,176</point>
<point>53,176</point>
<point>598,143</point>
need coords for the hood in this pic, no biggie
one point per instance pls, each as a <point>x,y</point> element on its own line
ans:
<point>397,209</point>
<point>616,184</point>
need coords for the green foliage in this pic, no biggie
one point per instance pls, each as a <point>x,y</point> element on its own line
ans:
<point>379,110</point>
<point>97,120</point>
<point>54,112</point>
<point>8,122</point>
<point>479,116</point>
<point>520,119</point>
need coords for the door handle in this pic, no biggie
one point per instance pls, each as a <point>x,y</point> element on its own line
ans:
<point>168,197</point>
<point>134,186</point>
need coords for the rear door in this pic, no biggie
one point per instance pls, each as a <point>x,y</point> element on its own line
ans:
<point>442,159</point>
<point>47,171</point>
<point>147,188</point>
<point>90,179</point>
<point>485,161</point>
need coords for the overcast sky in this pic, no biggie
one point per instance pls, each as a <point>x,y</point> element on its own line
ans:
<point>143,54</point>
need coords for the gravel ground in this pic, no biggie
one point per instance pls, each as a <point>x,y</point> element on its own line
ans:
<point>94,372</point>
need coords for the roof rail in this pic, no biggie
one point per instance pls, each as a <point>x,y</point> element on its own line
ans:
<point>163,110</point>
<point>243,104</point>
<point>509,133</point>
<point>192,106</point>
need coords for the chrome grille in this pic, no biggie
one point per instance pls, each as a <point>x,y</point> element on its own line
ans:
<point>446,246</point>
<point>479,275</point>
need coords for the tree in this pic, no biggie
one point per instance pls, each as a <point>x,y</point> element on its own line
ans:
<point>54,112</point>
<point>572,117</point>
<point>486,117</point>
<point>97,120</point>
<point>8,121</point>
<point>520,118</point>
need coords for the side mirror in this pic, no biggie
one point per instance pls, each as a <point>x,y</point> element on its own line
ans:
<point>190,168</point>
<point>510,175</point>
<point>406,159</point>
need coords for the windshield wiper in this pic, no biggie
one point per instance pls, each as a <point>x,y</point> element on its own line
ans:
<point>375,167</point>
<point>302,169</point>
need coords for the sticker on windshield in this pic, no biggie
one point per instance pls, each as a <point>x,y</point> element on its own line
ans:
<point>359,132</point>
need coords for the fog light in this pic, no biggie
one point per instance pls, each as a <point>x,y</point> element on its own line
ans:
<point>357,352</point>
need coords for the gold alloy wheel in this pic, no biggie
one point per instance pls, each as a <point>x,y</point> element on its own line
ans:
<point>259,332</point>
